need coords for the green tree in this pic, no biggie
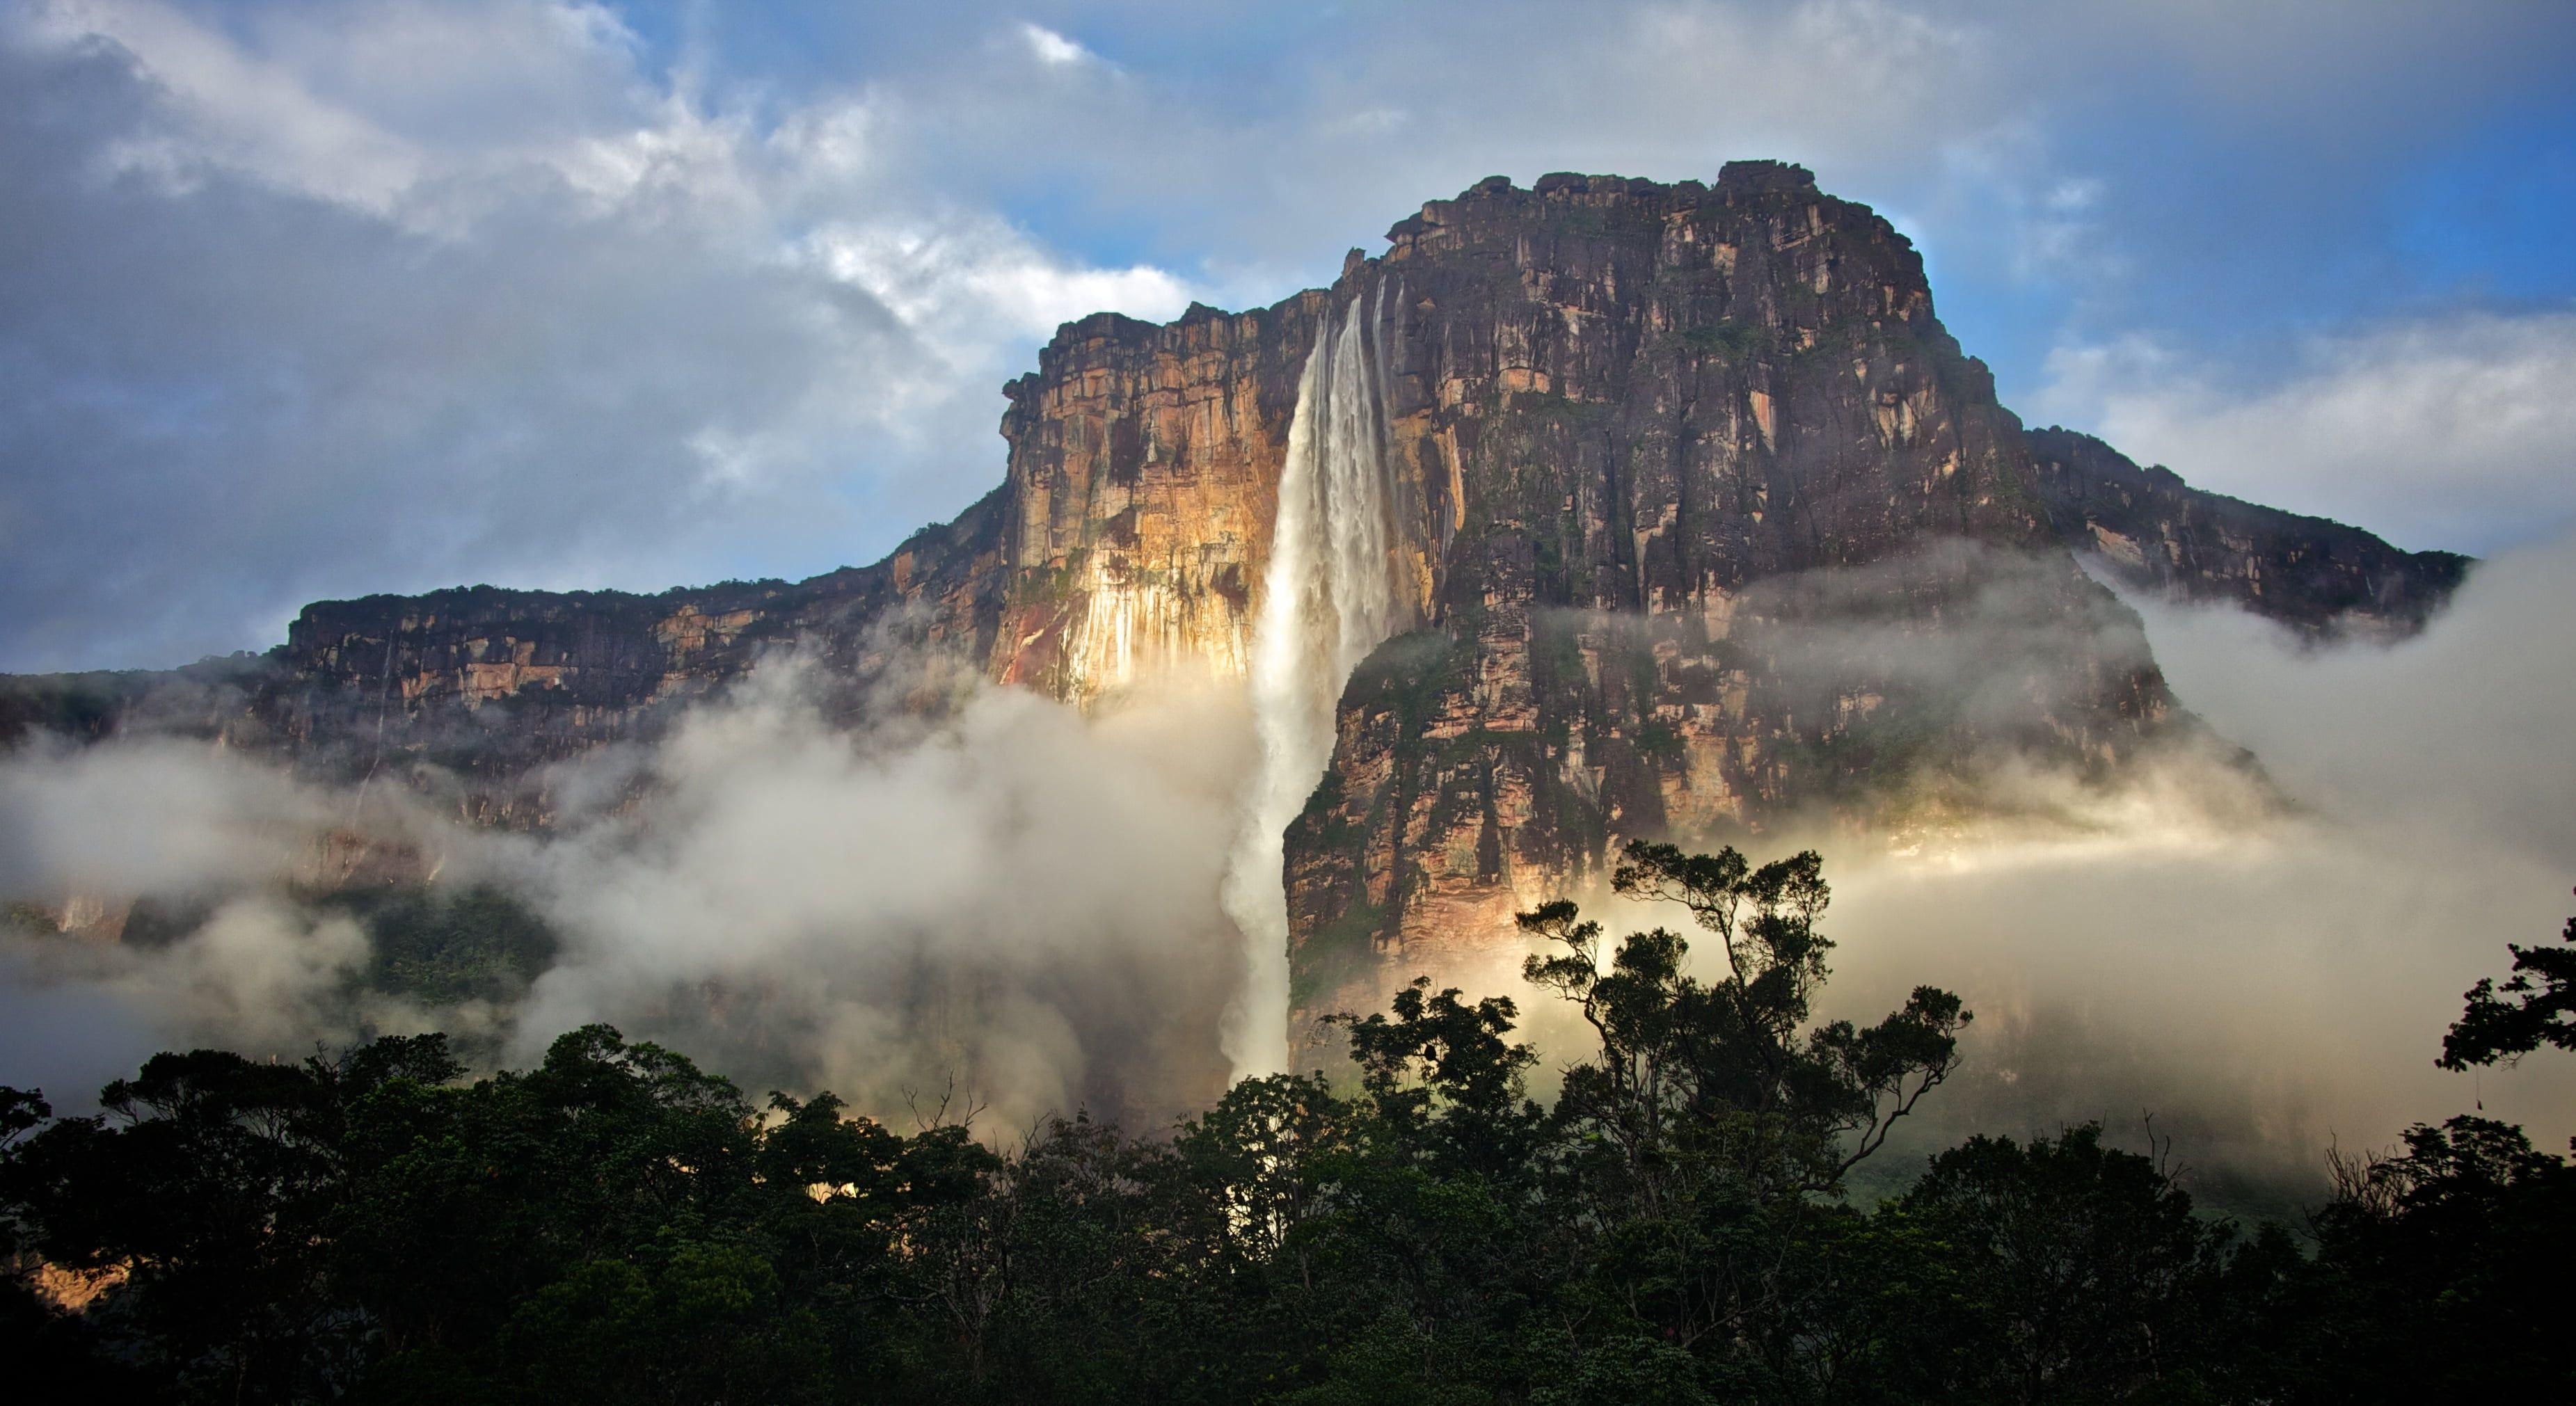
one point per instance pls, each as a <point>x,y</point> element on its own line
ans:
<point>204,1180</point>
<point>682,1323</point>
<point>2071,1272</point>
<point>1725,1067</point>
<point>2438,1272</point>
<point>2535,1006</point>
<point>1711,1127</point>
<point>1444,1083</point>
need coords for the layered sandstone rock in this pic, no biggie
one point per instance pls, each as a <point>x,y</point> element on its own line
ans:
<point>1144,473</point>
<point>467,694</point>
<point>1721,518</point>
<point>1706,522</point>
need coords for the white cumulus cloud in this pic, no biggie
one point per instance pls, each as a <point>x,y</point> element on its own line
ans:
<point>1053,49</point>
<point>2452,431</point>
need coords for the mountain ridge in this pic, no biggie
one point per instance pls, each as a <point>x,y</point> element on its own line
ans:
<point>1681,485</point>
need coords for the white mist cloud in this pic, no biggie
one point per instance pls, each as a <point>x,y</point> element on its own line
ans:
<point>2268,985</point>
<point>258,974</point>
<point>148,816</point>
<point>1015,895</point>
<point>2265,968</point>
<point>2449,432</point>
<point>1053,49</point>
<point>218,846</point>
<point>1006,893</point>
<point>229,108</point>
<point>970,283</point>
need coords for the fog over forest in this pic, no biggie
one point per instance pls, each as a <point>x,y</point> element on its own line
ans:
<point>1020,902</point>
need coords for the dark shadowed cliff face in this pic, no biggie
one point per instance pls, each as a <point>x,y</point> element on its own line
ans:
<point>469,692</point>
<point>2155,532</point>
<point>1726,528</point>
<point>1691,515</point>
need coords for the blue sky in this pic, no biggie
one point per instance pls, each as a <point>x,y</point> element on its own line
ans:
<point>301,300</point>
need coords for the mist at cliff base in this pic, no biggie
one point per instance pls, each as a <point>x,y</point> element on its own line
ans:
<point>1016,900</point>
<point>1020,903</point>
<point>2262,988</point>
<point>1005,903</point>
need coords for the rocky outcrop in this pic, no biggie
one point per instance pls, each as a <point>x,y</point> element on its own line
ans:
<point>468,693</point>
<point>1704,522</point>
<point>2156,533</point>
<point>1128,534</point>
<point>1143,480</point>
<point>1726,530</point>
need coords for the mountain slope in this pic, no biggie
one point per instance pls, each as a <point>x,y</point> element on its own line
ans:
<point>2156,533</point>
<point>1642,509</point>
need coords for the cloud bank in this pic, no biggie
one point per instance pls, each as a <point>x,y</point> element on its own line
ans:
<point>397,296</point>
<point>1017,896</point>
<point>2278,984</point>
<point>1010,899</point>
<point>1023,900</point>
<point>2449,432</point>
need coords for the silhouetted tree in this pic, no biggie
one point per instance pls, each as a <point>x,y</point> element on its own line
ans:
<point>617,1225</point>
<point>2541,1011</point>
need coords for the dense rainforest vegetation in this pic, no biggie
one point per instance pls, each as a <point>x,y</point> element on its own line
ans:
<point>617,1225</point>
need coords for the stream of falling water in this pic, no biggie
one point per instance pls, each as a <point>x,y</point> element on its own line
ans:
<point>1327,599</point>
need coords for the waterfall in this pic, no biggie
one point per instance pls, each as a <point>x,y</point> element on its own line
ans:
<point>1327,599</point>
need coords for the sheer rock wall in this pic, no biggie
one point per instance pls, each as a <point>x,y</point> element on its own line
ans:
<point>1710,524</point>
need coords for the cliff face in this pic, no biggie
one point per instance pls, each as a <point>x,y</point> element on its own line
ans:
<point>466,694</point>
<point>1143,480</point>
<point>1129,534</point>
<point>484,686</point>
<point>1726,529</point>
<point>1695,518</point>
<point>2157,533</point>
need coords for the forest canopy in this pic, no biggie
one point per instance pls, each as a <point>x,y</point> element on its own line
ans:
<point>617,1224</point>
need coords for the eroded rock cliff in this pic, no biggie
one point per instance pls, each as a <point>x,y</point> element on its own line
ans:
<point>1701,522</point>
<point>1144,473</point>
<point>2156,533</point>
<point>1726,528</point>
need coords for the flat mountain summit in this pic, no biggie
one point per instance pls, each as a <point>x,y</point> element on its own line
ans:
<point>1599,510</point>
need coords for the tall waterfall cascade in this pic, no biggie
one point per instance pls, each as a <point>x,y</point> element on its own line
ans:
<point>1328,597</point>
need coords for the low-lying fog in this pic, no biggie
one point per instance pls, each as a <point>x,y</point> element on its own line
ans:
<point>2266,990</point>
<point>1026,898</point>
